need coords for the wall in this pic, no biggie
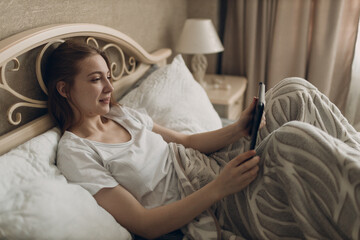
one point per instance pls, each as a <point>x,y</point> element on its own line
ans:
<point>140,19</point>
<point>152,23</point>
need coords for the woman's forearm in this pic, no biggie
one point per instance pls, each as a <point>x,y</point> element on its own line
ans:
<point>158,221</point>
<point>212,141</point>
<point>205,142</point>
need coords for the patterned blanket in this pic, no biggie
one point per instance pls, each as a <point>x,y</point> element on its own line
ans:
<point>308,186</point>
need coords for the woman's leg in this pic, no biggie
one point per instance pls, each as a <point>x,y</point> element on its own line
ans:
<point>297,99</point>
<point>308,187</point>
<point>307,145</point>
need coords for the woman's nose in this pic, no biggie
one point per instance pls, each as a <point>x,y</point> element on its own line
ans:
<point>108,86</point>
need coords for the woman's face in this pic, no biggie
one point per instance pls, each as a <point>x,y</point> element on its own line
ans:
<point>92,88</point>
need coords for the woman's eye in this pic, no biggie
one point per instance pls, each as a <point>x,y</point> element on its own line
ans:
<point>108,77</point>
<point>95,79</point>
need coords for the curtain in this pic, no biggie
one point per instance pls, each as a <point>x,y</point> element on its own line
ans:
<point>268,40</point>
<point>352,111</point>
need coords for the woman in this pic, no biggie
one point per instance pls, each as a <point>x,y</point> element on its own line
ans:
<point>125,160</point>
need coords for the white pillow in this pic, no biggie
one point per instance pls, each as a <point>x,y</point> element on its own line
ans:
<point>34,159</point>
<point>36,202</point>
<point>174,99</point>
<point>48,209</point>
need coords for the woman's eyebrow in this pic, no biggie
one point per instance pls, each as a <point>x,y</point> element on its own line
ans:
<point>97,72</point>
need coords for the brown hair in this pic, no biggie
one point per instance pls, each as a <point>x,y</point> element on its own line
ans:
<point>62,65</point>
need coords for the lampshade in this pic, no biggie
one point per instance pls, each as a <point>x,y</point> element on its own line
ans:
<point>199,37</point>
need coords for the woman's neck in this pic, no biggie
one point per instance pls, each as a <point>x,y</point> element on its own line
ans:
<point>90,126</point>
<point>102,130</point>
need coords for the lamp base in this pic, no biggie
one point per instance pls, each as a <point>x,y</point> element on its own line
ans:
<point>198,67</point>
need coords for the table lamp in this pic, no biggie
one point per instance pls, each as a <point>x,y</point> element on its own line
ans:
<point>199,37</point>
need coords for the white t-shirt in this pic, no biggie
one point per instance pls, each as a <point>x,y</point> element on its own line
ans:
<point>141,165</point>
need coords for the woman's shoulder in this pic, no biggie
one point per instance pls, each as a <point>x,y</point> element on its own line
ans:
<point>71,142</point>
<point>73,149</point>
<point>68,137</point>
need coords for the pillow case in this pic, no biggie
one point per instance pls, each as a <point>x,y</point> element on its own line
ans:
<point>142,78</point>
<point>174,99</point>
<point>49,209</point>
<point>36,202</point>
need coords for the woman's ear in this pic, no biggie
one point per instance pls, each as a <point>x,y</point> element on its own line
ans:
<point>61,88</point>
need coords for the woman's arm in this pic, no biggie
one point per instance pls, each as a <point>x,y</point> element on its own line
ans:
<point>151,223</point>
<point>212,141</point>
<point>206,142</point>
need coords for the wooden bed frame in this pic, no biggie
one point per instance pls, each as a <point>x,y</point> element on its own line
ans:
<point>21,59</point>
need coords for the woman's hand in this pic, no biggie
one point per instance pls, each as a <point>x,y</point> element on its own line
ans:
<point>237,174</point>
<point>247,118</point>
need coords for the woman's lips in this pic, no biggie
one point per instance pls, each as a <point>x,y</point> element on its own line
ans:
<point>105,100</point>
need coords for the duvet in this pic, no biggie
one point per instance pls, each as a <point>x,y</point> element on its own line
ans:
<point>309,179</point>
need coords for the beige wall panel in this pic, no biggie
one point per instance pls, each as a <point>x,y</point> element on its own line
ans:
<point>152,23</point>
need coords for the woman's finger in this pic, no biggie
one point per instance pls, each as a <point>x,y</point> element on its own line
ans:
<point>248,165</point>
<point>246,178</point>
<point>251,108</point>
<point>250,178</point>
<point>243,157</point>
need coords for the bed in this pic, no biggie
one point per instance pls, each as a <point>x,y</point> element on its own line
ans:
<point>36,202</point>
<point>312,194</point>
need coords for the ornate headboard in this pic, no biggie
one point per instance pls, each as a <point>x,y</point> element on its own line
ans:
<point>23,94</point>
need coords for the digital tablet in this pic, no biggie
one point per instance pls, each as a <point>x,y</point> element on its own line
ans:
<point>260,105</point>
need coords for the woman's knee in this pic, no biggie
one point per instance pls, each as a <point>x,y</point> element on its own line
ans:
<point>293,84</point>
<point>287,101</point>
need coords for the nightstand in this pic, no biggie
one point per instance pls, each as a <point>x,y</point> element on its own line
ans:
<point>226,93</point>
